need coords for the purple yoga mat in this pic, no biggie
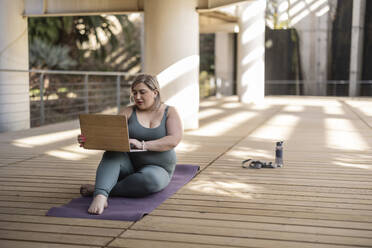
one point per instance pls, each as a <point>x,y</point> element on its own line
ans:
<point>129,209</point>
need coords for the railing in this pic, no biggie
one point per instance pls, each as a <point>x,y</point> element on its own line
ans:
<point>301,87</point>
<point>314,88</point>
<point>62,95</point>
<point>57,96</point>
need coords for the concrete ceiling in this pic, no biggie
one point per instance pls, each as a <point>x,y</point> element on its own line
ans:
<point>217,21</point>
<point>96,7</point>
<point>212,18</point>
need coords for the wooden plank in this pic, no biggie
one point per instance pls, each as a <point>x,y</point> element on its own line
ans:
<point>22,211</point>
<point>234,221</point>
<point>57,238</point>
<point>200,185</point>
<point>33,244</point>
<point>287,173</point>
<point>111,224</point>
<point>136,243</point>
<point>28,205</point>
<point>318,208</point>
<point>37,185</point>
<point>280,232</point>
<point>301,182</point>
<point>39,194</point>
<point>50,177</point>
<point>273,201</point>
<point>174,224</point>
<point>39,189</point>
<point>221,240</point>
<point>278,196</point>
<point>248,213</point>
<point>49,173</point>
<point>60,229</point>
<point>53,181</point>
<point>35,199</point>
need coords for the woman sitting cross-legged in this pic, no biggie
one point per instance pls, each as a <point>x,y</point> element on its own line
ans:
<point>153,126</point>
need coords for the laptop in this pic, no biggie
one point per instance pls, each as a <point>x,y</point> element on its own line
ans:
<point>106,132</point>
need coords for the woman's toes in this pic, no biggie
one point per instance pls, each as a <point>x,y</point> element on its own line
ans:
<point>98,204</point>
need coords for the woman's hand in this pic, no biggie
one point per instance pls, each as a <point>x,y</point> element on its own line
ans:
<point>81,139</point>
<point>136,144</point>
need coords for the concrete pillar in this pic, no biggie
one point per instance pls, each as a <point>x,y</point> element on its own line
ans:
<point>172,53</point>
<point>306,29</point>
<point>356,51</point>
<point>251,51</point>
<point>14,86</point>
<point>224,63</point>
<point>321,54</point>
<point>314,26</point>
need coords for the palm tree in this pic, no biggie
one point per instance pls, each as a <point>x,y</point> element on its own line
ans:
<point>75,32</point>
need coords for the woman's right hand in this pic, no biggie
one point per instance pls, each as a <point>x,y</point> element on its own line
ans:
<point>81,139</point>
<point>135,144</point>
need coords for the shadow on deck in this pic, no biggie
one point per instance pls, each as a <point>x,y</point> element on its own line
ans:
<point>321,198</point>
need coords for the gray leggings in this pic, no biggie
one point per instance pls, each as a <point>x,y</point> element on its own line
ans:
<point>116,176</point>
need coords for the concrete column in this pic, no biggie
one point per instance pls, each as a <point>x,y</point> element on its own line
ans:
<point>224,63</point>
<point>356,51</point>
<point>306,29</point>
<point>172,53</point>
<point>251,51</point>
<point>314,32</point>
<point>14,86</point>
<point>321,54</point>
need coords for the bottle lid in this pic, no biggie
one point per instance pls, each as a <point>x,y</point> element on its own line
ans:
<point>279,143</point>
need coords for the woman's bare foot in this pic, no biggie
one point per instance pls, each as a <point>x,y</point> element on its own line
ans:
<point>87,189</point>
<point>98,204</point>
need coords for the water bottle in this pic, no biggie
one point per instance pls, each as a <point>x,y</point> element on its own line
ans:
<point>279,154</point>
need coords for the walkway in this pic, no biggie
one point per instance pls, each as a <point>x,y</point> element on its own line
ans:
<point>321,198</point>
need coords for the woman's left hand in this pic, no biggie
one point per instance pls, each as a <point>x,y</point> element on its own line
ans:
<point>135,144</point>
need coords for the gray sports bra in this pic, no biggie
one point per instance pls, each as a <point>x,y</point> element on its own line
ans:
<point>166,160</point>
<point>139,132</point>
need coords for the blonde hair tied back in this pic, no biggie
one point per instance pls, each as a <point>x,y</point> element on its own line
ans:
<point>151,82</point>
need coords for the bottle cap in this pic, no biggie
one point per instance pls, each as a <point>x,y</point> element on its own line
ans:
<point>279,143</point>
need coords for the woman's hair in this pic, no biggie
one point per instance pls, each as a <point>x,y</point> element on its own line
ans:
<point>151,82</point>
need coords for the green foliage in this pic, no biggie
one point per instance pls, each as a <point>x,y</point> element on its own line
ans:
<point>43,55</point>
<point>206,85</point>
<point>44,29</point>
<point>206,44</point>
<point>112,52</point>
<point>88,27</point>
<point>94,43</point>
<point>126,55</point>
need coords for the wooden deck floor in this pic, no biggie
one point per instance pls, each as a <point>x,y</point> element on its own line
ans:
<point>321,198</point>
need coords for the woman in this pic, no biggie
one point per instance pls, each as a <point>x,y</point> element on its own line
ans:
<point>153,126</point>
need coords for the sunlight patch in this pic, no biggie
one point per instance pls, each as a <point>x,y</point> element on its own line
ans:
<point>279,127</point>
<point>77,149</point>
<point>225,188</point>
<point>342,135</point>
<point>66,155</point>
<point>209,113</point>
<point>294,108</point>
<point>224,125</point>
<point>333,110</point>
<point>46,139</point>
<point>186,147</point>
<point>359,166</point>
<point>240,152</point>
